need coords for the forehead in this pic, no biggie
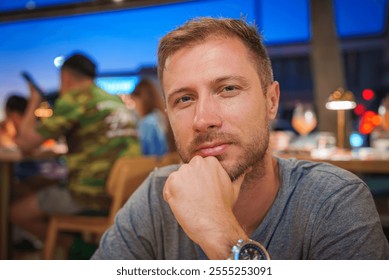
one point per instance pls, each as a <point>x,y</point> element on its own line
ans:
<point>215,56</point>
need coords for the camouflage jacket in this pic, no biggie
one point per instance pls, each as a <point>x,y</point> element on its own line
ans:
<point>98,129</point>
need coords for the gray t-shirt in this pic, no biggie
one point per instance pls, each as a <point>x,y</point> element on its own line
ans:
<point>320,212</point>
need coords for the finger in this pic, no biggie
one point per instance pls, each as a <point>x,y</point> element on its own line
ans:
<point>166,194</point>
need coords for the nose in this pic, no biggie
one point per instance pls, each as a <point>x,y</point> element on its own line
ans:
<point>207,114</point>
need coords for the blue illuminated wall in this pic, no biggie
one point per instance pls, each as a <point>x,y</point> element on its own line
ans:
<point>118,41</point>
<point>125,41</point>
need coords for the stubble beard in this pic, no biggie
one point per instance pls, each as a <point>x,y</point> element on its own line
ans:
<point>252,155</point>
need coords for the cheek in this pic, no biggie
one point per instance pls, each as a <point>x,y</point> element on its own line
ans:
<point>256,122</point>
<point>180,127</point>
<point>246,116</point>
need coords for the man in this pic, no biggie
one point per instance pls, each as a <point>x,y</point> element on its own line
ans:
<point>28,171</point>
<point>97,127</point>
<point>231,198</point>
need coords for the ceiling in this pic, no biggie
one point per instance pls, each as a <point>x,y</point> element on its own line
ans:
<point>29,9</point>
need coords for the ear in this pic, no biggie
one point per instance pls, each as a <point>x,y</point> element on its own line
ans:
<point>273,98</point>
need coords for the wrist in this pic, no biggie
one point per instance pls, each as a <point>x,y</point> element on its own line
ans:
<point>217,246</point>
<point>248,250</point>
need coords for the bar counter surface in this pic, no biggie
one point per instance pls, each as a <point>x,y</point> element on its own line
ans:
<point>345,160</point>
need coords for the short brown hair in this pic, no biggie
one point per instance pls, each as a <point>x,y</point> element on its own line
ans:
<point>200,29</point>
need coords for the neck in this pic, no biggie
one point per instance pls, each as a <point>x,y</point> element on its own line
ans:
<point>257,196</point>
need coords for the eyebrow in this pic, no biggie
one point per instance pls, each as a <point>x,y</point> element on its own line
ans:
<point>240,79</point>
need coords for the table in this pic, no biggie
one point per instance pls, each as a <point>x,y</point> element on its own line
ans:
<point>355,165</point>
<point>7,158</point>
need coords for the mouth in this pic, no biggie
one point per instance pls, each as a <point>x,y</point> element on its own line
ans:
<point>211,149</point>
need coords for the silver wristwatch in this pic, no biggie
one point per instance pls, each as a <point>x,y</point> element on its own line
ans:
<point>249,250</point>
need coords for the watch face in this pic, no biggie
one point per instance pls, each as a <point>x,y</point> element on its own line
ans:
<point>252,251</point>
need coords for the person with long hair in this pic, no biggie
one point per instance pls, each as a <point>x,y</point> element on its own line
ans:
<point>153,127</point>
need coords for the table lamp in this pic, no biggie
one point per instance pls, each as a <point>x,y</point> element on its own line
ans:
<point>341,100</point>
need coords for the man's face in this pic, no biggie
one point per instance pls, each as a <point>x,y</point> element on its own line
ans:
<point>216,105</point>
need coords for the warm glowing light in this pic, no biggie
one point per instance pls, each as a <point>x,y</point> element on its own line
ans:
<point>376,120</point>
<point>366,128</point>
<point>369,120</point>
<point>341,100</point>
<point>340,105</point>
<point>43,113</point>
<point>48,143</point>
<point>359,109</point>
<point>44,110</point>
<point>369,115</point>
<point>368,94</point>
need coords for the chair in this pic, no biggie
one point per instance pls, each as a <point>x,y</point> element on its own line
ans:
<point>169,158</point>
<point>125,176</point>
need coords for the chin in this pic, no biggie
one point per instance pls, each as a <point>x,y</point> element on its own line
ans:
<point>231,166</point>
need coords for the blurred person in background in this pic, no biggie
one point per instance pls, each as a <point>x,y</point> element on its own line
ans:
<point>98,130</point>
<point>153,127</point>
<point>26,172</point>
<point>28,175</point>
<point>15,106</point>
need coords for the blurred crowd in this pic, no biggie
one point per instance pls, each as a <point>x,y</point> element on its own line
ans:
<point>97,128</point>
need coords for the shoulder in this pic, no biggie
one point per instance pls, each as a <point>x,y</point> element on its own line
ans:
<point>159,175</point>
<point>298,169</point>
<point>147,205</point>
<point>165,171</point>
<point>318,180</point>
<point>152,187</point>
<point>72,100</point>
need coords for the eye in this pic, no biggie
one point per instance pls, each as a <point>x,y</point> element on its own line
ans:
<point>229,88</point>
<point>183,99</point>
